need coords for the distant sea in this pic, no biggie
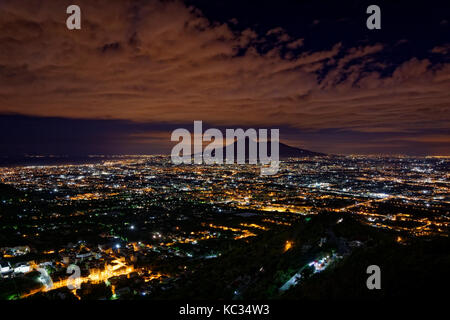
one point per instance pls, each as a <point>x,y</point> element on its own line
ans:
<point>15,161</point>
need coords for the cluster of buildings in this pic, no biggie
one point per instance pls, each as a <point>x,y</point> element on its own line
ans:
<point>138,214</point>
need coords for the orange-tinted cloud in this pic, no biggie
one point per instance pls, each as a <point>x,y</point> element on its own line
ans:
<point>165,62</point>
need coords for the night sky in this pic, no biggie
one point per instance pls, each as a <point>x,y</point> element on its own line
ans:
<point>139,69</point>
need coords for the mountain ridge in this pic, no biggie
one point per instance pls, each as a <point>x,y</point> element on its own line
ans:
<point>285,151</point>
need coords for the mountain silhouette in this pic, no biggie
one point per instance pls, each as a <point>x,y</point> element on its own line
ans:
<point>285,151</point>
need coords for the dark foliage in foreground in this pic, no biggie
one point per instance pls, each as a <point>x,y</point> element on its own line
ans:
<point>258,268</point>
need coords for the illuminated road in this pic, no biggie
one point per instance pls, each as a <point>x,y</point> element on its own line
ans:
<point>118,268</point>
